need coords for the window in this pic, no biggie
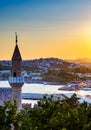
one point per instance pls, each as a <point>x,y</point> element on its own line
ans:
<point>14,74</point>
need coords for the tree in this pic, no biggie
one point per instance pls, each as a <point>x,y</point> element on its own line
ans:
<point>48,114</point>
<point>7,115</point>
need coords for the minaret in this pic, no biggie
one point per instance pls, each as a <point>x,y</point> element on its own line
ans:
<point>16,80</point>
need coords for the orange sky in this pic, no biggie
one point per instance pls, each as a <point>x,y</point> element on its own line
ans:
<point>58,29</point>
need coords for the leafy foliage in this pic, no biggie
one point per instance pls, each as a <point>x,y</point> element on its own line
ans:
<point>62,76</point>
<point>48,114</point>
<point>7,115</point>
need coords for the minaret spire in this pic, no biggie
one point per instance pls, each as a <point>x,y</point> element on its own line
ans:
<point>16,80</point>
<point>16,41</point>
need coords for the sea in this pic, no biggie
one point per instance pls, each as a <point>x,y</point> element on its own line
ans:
<point>31,93</point>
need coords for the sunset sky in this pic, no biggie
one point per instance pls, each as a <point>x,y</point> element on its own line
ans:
<point>46,28</point>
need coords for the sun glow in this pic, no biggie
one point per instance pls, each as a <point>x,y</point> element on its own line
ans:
<point>46,28</point>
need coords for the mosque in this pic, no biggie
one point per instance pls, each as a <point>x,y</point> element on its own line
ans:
<point>16,80</point>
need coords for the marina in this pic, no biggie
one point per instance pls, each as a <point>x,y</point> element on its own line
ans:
<point>31,93</point>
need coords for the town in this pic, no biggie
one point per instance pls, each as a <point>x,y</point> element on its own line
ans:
<point>49,71</point>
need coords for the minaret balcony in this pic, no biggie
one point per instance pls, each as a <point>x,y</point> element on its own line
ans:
<point>16,79</point>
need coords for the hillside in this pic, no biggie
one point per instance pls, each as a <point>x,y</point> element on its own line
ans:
<point>81,61</point>
<point>51,70</point>
<point>42,63</point>
<point>47,63</point>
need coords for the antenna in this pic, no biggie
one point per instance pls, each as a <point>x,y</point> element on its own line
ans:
<point>16,38</point>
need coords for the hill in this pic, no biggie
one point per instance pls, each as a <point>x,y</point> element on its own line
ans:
<point>50,70</point>
<point>82,61</point>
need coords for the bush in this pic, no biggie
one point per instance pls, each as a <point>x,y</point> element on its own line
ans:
<point>67,114</point>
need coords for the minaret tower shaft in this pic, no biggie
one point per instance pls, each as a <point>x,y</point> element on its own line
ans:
<point>16,80</point>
